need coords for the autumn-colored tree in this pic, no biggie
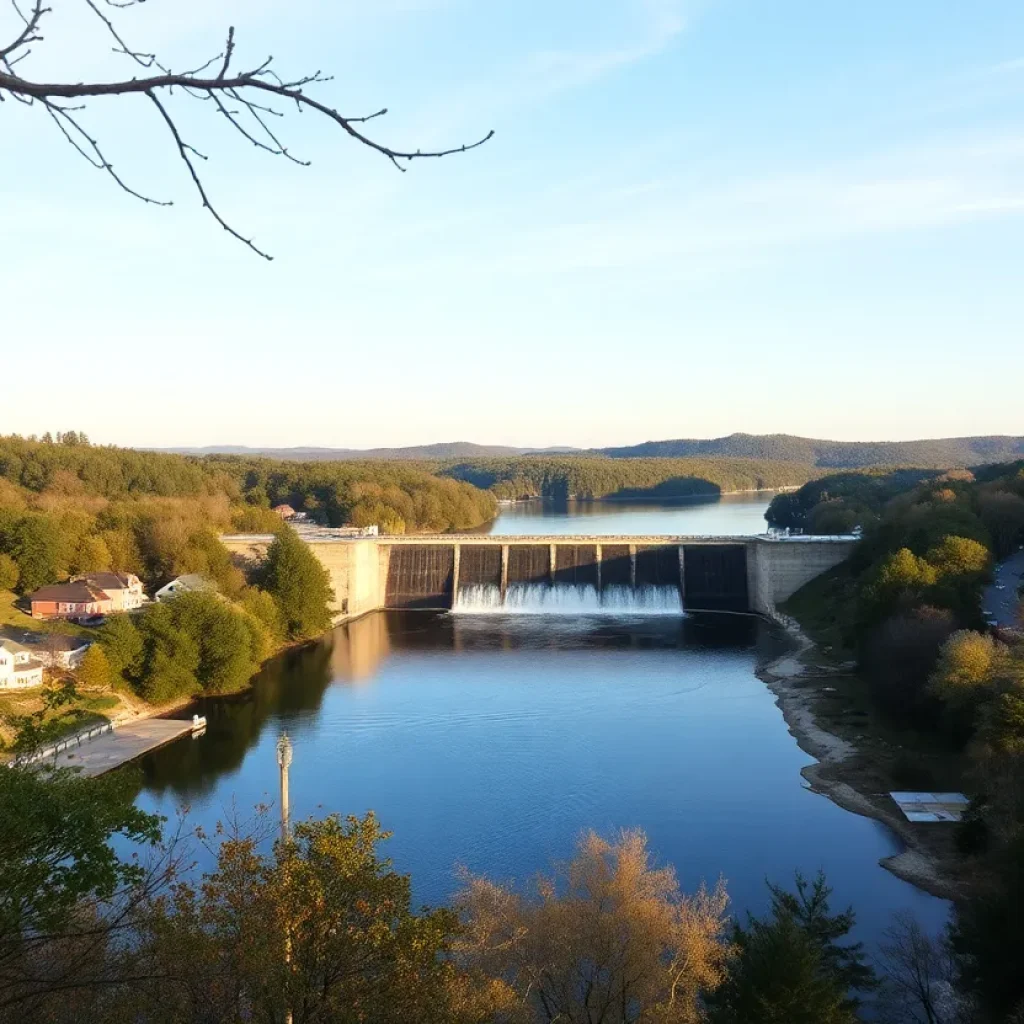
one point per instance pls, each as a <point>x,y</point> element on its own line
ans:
<point>611,938</point>
<point>356,952</point>
<point>94,670</point>
<point>967,666</point>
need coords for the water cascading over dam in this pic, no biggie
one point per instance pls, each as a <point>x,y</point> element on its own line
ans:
<point>559,574</point>
<point>568,579</point>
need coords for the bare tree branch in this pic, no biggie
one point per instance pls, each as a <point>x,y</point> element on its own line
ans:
<point>234,96</point>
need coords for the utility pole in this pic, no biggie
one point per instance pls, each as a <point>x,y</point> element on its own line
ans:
<point>284,760</point>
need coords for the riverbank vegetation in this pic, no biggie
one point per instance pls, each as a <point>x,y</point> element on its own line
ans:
<point>68,508</point>
<point>945,692</point>
<point>585,477</point>
<point>319,927</point>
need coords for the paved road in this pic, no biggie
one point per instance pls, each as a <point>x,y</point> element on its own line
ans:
<point>1004,604</point>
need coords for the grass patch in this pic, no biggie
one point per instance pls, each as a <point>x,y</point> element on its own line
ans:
<point>12,617</point>
<point>825,608</point>
<point>88,710</point>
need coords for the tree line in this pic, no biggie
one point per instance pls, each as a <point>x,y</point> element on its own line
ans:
<point>317,926</point>
<point>908,607</point>
<point>564,477</point>
<point>399,497</point>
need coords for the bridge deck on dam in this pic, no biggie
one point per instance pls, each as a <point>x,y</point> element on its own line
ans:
<point>748,573</point>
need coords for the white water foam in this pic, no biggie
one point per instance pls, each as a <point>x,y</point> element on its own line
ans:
<point>564,599</point>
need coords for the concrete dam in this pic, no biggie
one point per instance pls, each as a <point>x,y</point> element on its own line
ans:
<point>567,575</point>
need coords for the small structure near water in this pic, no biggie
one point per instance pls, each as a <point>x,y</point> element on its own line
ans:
<point>931,806</point>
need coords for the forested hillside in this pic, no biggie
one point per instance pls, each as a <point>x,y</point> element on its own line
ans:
<point>570,476</point>
<point>942,453</point>
<point>399,497</point>
<point>944,693</point>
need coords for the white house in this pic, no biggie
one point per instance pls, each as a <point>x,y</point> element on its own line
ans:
<point>59,651</point>
<point>18,669</point>
<point>190,583</point>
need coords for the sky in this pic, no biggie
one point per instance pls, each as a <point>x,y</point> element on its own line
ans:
<point>695,217</point>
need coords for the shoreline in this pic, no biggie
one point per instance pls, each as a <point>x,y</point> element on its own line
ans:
<point>831,775</point>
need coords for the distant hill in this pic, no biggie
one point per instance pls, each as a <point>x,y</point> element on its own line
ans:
<point>938,453</point>
<point>425,452</point>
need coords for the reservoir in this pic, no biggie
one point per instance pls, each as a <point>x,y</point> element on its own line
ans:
<point>727,515</point>
<point>493,740</point>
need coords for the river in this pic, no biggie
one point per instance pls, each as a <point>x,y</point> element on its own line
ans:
<point>492,741</point>
<point>730,515</point>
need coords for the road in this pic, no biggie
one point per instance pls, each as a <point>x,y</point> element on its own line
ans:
<point>1003,604</point>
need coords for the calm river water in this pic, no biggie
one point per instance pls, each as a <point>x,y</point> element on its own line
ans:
<point>728,515</point>
<point>493,741</point>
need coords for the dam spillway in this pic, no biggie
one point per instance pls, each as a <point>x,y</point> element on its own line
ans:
<point>560,574</point>
<point>590,578</point>
<point>567,600</point>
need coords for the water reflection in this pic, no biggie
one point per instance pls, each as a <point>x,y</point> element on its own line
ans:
<point>493,741</point>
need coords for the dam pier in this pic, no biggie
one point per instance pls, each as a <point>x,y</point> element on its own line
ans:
<point>480,572</point>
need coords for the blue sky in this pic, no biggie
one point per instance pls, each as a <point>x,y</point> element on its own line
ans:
<point>694,218</point>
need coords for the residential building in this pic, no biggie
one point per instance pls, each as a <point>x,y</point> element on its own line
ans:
<point>74,600</point>
<point>55,650</point>
<point>191,583</point>
<point>94,593</point>
<point>18,669</point>
<point>123,588</point>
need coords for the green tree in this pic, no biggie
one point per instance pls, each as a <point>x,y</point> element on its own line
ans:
<point>299,585</point>
<point>229,648</point>
<point>8,572</point>
<point>123,645</point>
<point>94,670</point>
<point>170,659</point>
<point>794,966</point>
<point>37,547</point>
<point>989,933</point>
<point>262,607</point>
<point>55,832</point>
<point>809,906</point>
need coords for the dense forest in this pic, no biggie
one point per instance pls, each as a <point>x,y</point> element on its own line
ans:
<point>570,476</point>
<point>942,453</point>
<point>907,608</point>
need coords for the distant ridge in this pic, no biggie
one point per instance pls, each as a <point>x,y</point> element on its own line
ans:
<point>938,453</point>
<point>447,450</point>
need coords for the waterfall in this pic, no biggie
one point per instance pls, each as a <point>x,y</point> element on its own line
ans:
<point>565,599</point>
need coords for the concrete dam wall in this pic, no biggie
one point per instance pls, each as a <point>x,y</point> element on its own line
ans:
<point>743,574</point>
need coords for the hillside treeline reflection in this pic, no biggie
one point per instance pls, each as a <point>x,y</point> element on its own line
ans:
<point>289,691</point>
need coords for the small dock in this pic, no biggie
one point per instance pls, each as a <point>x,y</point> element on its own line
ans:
<point>121,745</point>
